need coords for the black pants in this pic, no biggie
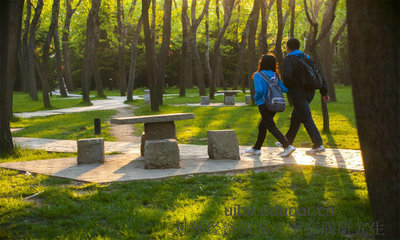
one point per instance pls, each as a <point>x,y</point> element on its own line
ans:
<point>301,114</point>
<point>267,123</point>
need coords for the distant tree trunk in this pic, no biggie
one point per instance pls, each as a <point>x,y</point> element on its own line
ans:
<point>279,35</point>
<point>32,88</point>
<point>65,44</point>
<point>90,59</point>
<point>46,51</point>
<point>185,74</point>
<point>150,56</point>
<point>23,56</point>
<point>10,22</point>
<point>262,37</point>
<point>242,45</point>
<point>163,57</point>
<point>251,52</point>
<point>121,49</point>
<point>376,89</point>
<point>195,51</point>
<point>60,79</point>
<point>292,9</point>
<point>207,51</point>
<point>228,8</point>
<point>132,67</point>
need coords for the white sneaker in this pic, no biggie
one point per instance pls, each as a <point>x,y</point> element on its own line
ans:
<point>316,150</point>
<point>288,151</point>
<point>253,151</point>
<point>278,144</point>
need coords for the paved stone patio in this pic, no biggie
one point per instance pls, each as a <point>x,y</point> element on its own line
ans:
<point>129,165</point>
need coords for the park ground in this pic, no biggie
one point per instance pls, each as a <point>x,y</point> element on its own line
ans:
<point>161,209</point>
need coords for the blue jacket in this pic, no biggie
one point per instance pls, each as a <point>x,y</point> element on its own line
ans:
<point>298,53</point>
<point>261,86</point>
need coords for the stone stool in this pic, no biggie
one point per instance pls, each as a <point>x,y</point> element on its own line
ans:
<point>161,154</point>
<point>248,99</point>
<point>230,100</point>
<point>204,100</point>
<point>223,144</point>
<point>90,150</point>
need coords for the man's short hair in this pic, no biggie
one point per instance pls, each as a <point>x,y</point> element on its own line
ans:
<point>293,44</point>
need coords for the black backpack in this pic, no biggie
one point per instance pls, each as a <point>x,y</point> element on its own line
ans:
<point>311,77</point>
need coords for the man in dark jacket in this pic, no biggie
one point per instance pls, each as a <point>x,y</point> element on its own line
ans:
<point>301,97</point>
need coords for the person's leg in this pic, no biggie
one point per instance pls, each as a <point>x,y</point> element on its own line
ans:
<point>298,100</point>
<point>309,124</point>
<point>269,124</point>
<point>262,132</point>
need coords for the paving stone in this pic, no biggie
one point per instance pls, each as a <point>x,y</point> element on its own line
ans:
<point>223,144</point>
<point>90,150</point>
<point>160,154</point>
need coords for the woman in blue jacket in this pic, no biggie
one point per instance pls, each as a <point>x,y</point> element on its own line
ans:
<point>268,66</point>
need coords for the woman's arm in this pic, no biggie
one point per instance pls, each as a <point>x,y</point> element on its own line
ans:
<point>258,86</point>
<point>282,86</point>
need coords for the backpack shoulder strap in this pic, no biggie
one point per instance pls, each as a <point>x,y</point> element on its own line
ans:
<point>265,77</point>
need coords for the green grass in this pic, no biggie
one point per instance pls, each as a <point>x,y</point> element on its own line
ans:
<point>23,103</point>
<point>65,126</point>
<point>22,154</point>
<point>153,209</point>
<point>343,132</point>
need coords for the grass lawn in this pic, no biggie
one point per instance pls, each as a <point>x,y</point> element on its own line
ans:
<point>23,103</point>
<point>66,126</point>
<point>245,120</point>
<point>155,209</point>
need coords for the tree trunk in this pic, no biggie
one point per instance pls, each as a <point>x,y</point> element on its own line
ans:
<point>10,22</point>
<point>207,51</point>
<point>262,37</point>
<point>121,49</point>
<point>251,53</point>
<point>23,56</point>
<point>132,67</point>
<point>163,57</point>
<point>32,88</point>
<point>90,60</point>
<point>60,79</point>
<point>292,7</point>
<point>150,56</point>
<point>46,52</point>
<point>278,43</point>
<point>326,63</point>
<point>65,44</point>
<point>376,91</point>
<point>228,8</point>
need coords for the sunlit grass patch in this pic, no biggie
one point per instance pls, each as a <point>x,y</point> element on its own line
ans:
<point>22,154</point>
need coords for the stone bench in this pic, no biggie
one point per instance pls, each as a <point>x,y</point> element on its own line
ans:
<point>161,154</point>
<point>223,144</point>
<point>156,127</point>
<point>229,96</point>
<point>90,150</point>
<point>204,100</point>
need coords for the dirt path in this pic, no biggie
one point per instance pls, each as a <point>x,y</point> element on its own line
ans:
<point>124,133</point>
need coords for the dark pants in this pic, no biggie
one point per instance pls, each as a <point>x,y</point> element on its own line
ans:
<point>301,114</point>
<point>267,123</point>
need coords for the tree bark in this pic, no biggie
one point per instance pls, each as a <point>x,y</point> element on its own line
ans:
<point>90,59</point>
<point>23,57</point>
<point>150,56</point>
<point>376,91</point>
<point>60,79</point>
<point>251,52</point>
<point>278,42</point>
<point>132,67</point>
<point>10,18</point>
<point>207,51</point>
<point>262,37</point>
<point>163,57</point>
<point>228,8</point>
<point>32,88</point>
<point>46,52</point>
<point>292,7</point>
<point>65,44</point>
<point>121,48</point>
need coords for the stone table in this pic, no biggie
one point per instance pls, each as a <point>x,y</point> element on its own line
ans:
<point>156,127</point>
<point>229,96</point>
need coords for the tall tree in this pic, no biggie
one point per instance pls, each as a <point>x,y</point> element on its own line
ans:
<point>279,35</point>
<point>121,48</point>
<point>65,43</point>
<point>251,47</point>
<point>228,9</point>
<point>185,78</point>
<point>262,37</point>
<point>57,49</point>
<point>90,65</point>
<point>314,39</point>
<point>163,57</point>
<point>46,51</point>
<point>376,92</point>
<point>193,42</point>
<point>207,51</point>
<point>150,56</point>
<point>292,9</point>
<point>10,19</point>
